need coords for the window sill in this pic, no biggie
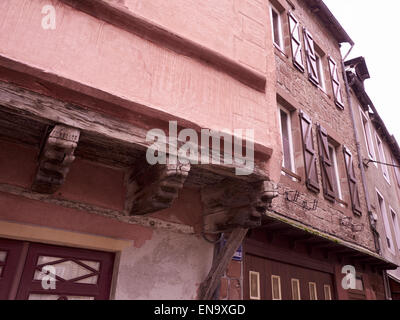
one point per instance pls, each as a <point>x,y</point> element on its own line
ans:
<point>280,51</point>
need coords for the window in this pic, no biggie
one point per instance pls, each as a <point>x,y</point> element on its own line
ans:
<point>320,70</point>
<point>312,286</point>
<point>254,285</point>
<point>382,158</point>
<point>327,292</point>
<point>359,284</point>
<point>396,227</point>
<point>287,143</point>
<point>336,85</point>
<point>276,288</point>
<point>396,169</point>
<point>382,208</point>
<point>296,289</point>
<point>336,176</point>
<point>276,27</point>
<point>367,135</point>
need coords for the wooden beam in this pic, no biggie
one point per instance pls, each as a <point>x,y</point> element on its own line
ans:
<point>210,284</point>
<point>55,159</point>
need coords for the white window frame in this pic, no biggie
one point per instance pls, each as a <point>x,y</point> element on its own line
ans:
<point>257,274</point>
<point>386,222</point>
<point>336,171</point>
<point>298,287</point>
<point>279,287</point>
<point>314,285</point>
<point>321,73</point>
<point>327,286</point>
<point>396,226</point>
<point>382,158</point>
<point>369,141</point>
<point>290,133</point>
<point>280,34</point>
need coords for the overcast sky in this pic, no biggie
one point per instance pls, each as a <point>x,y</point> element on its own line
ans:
<point>373,26</point>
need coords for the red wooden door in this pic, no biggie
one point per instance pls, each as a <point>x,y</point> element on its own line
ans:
<point>45,272</point>
<point>10,253</point>
<point>268,279</point>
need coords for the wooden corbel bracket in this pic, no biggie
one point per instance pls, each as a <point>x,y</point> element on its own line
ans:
<point>154,188</point>
<point>55,159</point>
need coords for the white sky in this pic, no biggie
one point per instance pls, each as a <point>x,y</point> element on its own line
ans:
<point>373,26</point>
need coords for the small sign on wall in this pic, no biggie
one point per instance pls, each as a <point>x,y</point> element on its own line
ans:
<point>238,256</point>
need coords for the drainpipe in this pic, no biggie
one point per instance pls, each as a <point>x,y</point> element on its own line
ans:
<point>363,176</point>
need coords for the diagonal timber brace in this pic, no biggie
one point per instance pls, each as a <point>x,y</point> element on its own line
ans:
<point>154,188</point>
<point>210,284</point>
<point>55,159</point>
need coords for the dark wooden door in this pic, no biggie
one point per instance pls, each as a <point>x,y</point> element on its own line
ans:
<point>10,254</point>
<point>45,272</point>
<point>285,281</point>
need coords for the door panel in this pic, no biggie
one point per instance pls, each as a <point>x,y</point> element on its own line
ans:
<point>10,253</point>
<point>79,274</point>
<point>44,272</point>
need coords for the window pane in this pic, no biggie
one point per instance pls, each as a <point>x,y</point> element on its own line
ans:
<point>296,289</point>
<point>254,285</point>
<point>285,128</point>
<point>276,288</point>
<point>313,291</point>
<point>3,256</point>
<point>276,27</point>
<point>327,292</point>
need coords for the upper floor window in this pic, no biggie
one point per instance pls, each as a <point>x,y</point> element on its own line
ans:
<point>320,70</point>
<point>335,171</point>
<point>276,26</point>
<point>287,143</point>
<point>382,159</point>
<point>382,209</point>
<point>396,169</point>
<point>396,227</point>
<point>367,135</point>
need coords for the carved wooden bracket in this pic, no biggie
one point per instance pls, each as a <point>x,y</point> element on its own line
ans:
<point>155,188</point>
<point>232,204</point>
<point>55,159</point>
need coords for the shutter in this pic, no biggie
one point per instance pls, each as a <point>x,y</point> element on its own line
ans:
<point>311,57</point>
<point>326,165</point>
<point>336,87</point>
<point>295,40</point>
<point>354,194</point>
<point>310,159</point>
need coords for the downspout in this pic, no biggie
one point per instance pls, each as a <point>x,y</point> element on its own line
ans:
<point>363,175</point>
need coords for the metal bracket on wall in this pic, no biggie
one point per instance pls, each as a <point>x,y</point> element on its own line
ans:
<point>301,203</point>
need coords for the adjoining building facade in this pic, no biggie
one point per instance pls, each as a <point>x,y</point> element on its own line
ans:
<point>380,156</point>
<point>84,215</point>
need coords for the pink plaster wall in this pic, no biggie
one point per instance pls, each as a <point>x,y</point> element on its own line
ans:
<point>233,28</point>
<point>88,182</point>
<point>23,210</point>
<point>96,54</point>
